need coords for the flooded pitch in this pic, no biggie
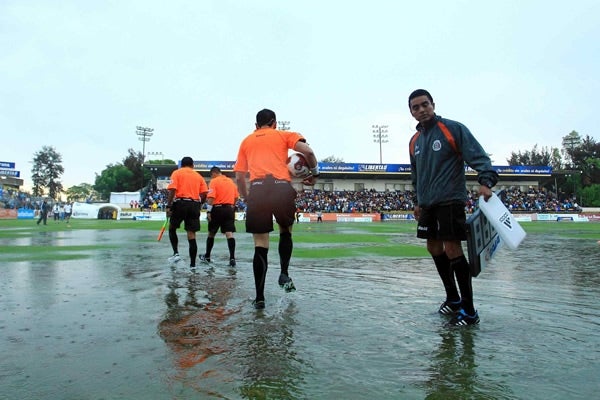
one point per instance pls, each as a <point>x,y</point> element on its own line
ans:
<point>118,322</point>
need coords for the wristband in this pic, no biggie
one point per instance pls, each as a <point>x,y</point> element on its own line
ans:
<point>209,207</point>
<point>315,171</point>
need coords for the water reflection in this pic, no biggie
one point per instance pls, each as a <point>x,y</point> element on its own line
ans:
<point>195,325</point>
<point>272,366</point>
<point>88,328</point>
<point>453,370</point>
<point>584,268</point>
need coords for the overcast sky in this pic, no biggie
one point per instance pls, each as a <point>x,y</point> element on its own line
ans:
<point>81,75</point>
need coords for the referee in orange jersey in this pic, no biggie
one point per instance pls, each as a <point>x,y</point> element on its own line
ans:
<point>220,205</point>
<point>263,156</point>
<point>187,191</point>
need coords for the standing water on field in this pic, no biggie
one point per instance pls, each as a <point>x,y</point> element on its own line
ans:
<point>111,319</point>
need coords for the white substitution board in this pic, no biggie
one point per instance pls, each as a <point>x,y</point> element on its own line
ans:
<point>482,242</point>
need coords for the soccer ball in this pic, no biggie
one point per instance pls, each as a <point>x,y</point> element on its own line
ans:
<point>298,166</point>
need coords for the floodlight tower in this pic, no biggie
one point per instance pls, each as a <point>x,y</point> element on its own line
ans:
<point>283,125</point>
<point>157,153</point>
<point>380,136</point>
<point>144,135</point>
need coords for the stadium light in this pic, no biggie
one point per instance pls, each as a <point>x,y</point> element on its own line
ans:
<point>283,125</point>
<point>144,135</point>
<point>157,153</point>
<point>380,136</point>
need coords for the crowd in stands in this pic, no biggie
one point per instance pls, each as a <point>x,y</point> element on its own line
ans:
<point>152,200</point>
<point>365,201</point>
<point>15,199</point>
<point>538,200</point>
<point>368,201</point>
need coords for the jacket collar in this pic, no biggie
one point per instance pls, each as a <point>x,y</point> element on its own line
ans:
<point>429,124</point>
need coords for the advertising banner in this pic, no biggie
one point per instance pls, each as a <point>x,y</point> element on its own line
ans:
<point>10,172</point>
<point>340,217</point>
<point>7,164</point>
<point>8,213</point>
<point>384,168</point>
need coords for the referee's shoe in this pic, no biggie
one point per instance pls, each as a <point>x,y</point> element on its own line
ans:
<point>285,282</point>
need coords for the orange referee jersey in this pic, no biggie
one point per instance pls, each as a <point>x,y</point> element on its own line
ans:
<point>188,184</point>
<point>223,190</point>
<point>265,152</point>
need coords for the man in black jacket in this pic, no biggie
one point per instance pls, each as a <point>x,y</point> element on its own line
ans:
<point>43,212</point>
<point>438,153</point>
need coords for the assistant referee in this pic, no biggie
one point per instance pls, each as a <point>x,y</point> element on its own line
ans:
<point>187,191</point>
<point>220,205</point>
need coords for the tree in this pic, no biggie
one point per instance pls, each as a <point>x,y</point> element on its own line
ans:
<point>590,196</point>
<point>569,143</point>
<point>82,192</point>
<point>115,178</point>
<point>557,161</point>
<point>134,162</point>
<point>534,157</point>
<point>585,155</point>
<point>333,159</point>
<point>160,162</point>
<point>591,171</point>
<point>584,161</point>
<point>126,176</point>
<point>46,172</point>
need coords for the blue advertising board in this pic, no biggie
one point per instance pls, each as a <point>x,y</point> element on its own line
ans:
<point>384,168</point>
<point>10,172</point>
<point>7,164</point>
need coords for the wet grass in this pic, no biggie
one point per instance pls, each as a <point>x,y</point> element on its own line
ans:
<point>582,230</point>
<point>14,253</point>
<point>346,250</point>
<point>12,227</point>
<point>311,240</point>
<point>343,240</point>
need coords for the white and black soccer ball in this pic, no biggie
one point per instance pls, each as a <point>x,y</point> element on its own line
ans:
<point>298,166</point>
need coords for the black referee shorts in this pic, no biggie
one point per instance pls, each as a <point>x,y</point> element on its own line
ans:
<point>443,222</point>
<point>267,199</point>
<point>188,212</point>
<point>222,216</point>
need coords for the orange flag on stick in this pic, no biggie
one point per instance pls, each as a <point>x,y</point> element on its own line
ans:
<point>162,230</point>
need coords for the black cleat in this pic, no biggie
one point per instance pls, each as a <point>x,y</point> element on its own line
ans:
<point>449,307</point>
<point>259,305</point>
<point>285,282</point>
<point>464,319</point>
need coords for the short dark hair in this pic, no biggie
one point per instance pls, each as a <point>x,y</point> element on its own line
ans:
<point>418,93</point>
<point>265,117</point>
<point>187,162</point>
<point>215,169</point>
